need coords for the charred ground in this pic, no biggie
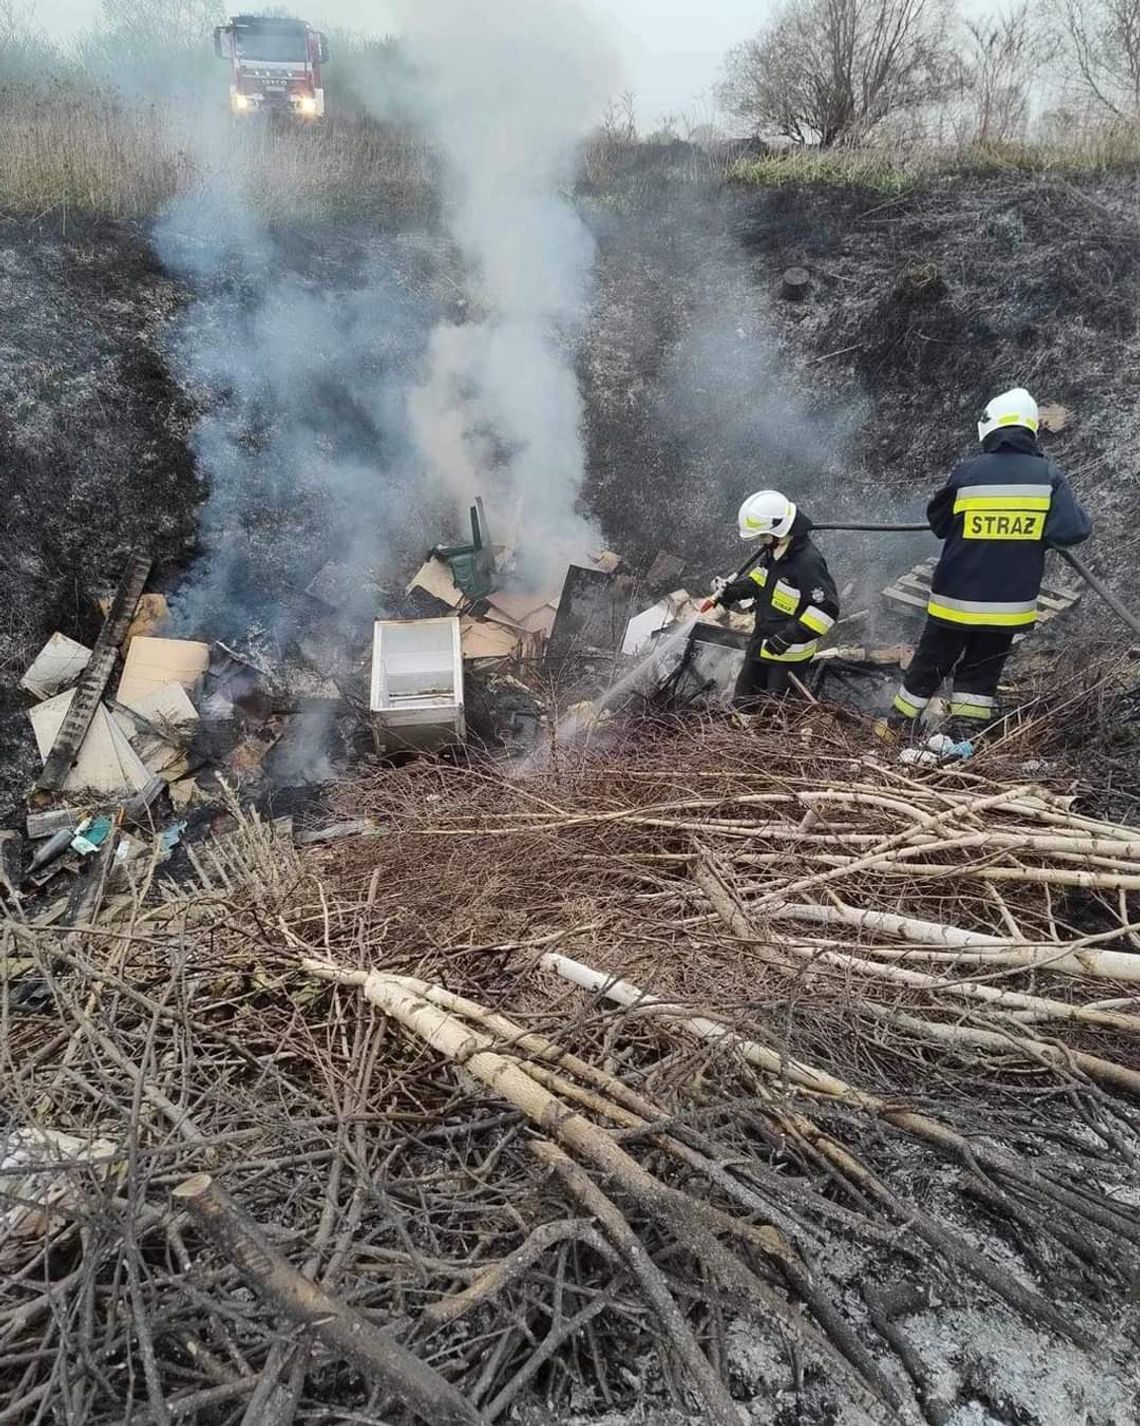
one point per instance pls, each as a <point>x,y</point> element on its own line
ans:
<point>698,381</point>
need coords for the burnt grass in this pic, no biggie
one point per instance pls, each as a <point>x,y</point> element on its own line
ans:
<point>94,454</point>
<point>699,382</point>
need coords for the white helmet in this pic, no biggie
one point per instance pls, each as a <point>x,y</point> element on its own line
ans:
<point>1011,408</point>
<point>766,513</point>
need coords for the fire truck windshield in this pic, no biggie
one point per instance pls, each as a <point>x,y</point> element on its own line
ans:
<point>274,45</point>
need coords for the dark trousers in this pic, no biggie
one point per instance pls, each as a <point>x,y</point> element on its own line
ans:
<point>759,679</point>
<point>974,656</point>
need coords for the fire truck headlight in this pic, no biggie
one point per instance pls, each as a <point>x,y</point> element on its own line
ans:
<point>308,104</point>
<point>241,102</point>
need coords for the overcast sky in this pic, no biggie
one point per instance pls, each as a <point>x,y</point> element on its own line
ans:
<point>671,49</point>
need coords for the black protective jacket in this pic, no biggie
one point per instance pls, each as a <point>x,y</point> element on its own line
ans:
<point>795,596</point>
<point>998,514</point>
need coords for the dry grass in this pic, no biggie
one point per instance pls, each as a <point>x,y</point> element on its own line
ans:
<point>79,152</point>
<point>75,149</point>
<point>895,168</point>
<point>71,152</point>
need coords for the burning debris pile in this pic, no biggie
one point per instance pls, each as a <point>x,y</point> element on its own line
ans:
<point>148,741</point>
<point>732,1068</point>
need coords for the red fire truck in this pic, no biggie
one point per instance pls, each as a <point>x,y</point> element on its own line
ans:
<point>275,65</point>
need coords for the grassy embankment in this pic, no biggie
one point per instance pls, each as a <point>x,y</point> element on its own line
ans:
<point>892,169</point>
<point>69,152</point>
<point>70,149</point>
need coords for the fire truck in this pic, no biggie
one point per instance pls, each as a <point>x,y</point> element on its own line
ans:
<point>275,65</point>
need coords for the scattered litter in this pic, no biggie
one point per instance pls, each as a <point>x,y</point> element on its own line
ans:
<point>171,836</point>
<point>106,762</point>
<point>417,683</point>
<point>51,850</point>
<point>169,708</point>
<point>592,611</point>
<point>217,707</point>
<point>184,793</point>
<point>246,759</point>
<point>55,819</point>
<point>486,639</point>
<point>57,665</point>
<point>153,664</point>
<point>52,1161</point>
<point>434,578</point>
<point>641,628</point>
<point>90,835</point>
<point>151,613</point>
<point>524,610</point>
<point>471,566</point>
<point>84,704</point>
<point>666,569</point>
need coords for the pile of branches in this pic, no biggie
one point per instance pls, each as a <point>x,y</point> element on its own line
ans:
<point>543,1093</point>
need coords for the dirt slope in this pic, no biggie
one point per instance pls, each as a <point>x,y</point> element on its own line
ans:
<point>699,383</point>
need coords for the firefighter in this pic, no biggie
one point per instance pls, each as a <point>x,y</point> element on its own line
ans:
<point>794,594</point>
<point>997,515</point>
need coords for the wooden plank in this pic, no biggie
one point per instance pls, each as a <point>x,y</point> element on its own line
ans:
<point>903,598</point>
<point>93,683</point>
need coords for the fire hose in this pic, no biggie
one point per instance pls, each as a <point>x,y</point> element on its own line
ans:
<point>1096,585</point>
<point>1075,561</point>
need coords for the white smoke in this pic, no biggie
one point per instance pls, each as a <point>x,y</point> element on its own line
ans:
<point>507,90</point>
<point>339,402</point>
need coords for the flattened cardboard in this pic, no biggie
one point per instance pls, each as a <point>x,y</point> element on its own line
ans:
<point>152,664</point>
<point>57,666</point>
<point>106,762</point>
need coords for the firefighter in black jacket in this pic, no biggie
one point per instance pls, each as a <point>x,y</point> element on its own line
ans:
<point>794,595</point>
<point>997,515</point>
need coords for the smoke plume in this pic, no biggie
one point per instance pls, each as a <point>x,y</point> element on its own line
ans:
<point>507,89</point>
<point>304,374</point>
<point>340,400</point>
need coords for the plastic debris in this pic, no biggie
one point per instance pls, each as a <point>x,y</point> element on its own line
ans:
<point>90,835</point>
<point>171,836</point>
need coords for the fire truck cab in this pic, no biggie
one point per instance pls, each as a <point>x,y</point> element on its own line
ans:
<point>275,65</point>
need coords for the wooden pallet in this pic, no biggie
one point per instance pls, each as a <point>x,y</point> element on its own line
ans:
<point>912,590</point>
<point>256,854</point>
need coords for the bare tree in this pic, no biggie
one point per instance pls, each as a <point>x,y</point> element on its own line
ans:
<point>828,71</point>
<point>1102,40</point>
<point>1003,56</point>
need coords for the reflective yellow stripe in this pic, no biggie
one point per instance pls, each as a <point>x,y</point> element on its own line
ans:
<point>1001,502</point>
<point>970,710</point>
<point>1003,524</point>
<point>905,707</point>
<point>980,617</point>
<point>785,603</point>
<point>1027,421</point>
<point>759,576</point>
<point>796,654</point>
<point>816,620</point>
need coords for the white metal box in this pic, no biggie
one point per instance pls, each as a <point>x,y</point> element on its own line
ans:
<point>417,683</point>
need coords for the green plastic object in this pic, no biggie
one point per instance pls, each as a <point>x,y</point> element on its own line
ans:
<point>91,836</point>
<point>472,566</point>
